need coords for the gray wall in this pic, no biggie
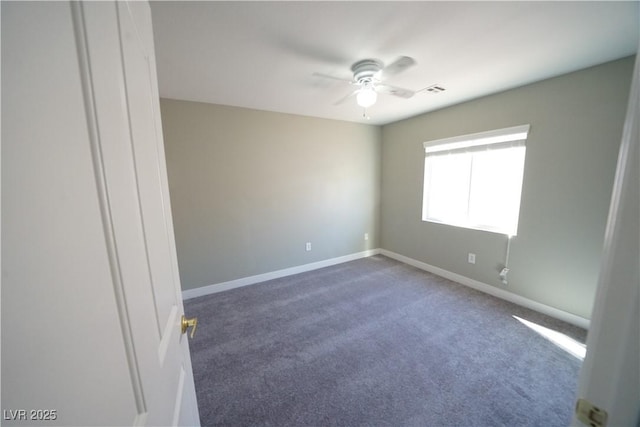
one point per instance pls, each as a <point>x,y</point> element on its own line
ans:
<point>250,188</point>
<point>576,125</point>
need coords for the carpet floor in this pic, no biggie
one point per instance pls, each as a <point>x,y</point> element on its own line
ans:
<point>375,342</point>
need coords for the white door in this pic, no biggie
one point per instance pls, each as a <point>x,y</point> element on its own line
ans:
<point>91,307</point>
<point>610,374</point>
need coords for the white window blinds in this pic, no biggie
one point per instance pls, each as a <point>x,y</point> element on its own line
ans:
<point>475,181</point>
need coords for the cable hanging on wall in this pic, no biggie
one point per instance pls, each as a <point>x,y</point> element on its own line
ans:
<point>505,269</point>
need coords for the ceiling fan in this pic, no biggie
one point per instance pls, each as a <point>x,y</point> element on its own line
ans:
<point>368,76</point>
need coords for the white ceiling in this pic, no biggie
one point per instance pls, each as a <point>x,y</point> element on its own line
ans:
<point>262,55</point>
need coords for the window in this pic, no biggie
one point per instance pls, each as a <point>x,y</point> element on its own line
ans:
<point>474,181</point>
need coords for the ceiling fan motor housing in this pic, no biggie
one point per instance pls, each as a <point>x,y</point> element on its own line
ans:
<point>367,70</point>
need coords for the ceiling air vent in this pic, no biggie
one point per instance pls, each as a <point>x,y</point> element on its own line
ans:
<point>434,89</point>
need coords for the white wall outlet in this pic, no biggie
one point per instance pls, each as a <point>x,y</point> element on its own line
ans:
<point>471,258</point>
<point>308,246</point>
<point>366,236</point>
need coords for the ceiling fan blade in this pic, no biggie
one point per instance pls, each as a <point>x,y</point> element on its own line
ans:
<point>398,66</point>
<point>395,91</point>
<point>327,76</point>
<point>345,98</point>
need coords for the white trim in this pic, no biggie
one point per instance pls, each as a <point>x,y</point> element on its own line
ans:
<point>95,116</point>
<point>245,281</point>
<point>492,290</point>
<point>463,280</point>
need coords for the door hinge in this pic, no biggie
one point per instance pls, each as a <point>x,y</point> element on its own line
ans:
<point>590,414</point>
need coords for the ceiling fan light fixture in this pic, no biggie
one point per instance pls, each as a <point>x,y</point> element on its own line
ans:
<point>366,97</point>
<point>368,76</point>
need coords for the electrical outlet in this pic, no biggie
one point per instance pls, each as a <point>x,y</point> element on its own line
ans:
<point>471,258</point>
<point>308,246</point>
<point>366,236</point>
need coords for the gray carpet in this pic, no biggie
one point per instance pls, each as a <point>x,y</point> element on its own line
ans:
<point>378,343</point>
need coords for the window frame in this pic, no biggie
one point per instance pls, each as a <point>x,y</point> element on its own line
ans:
<point>466,145</point>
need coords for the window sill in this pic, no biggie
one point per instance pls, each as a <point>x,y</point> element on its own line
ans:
<point>473,227</point>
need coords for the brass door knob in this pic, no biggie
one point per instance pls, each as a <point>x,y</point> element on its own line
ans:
<point>186,323</point>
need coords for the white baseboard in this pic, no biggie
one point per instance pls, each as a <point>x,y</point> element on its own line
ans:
<point>482,287</point>
<point>245,281</point>
<point>492,290</point>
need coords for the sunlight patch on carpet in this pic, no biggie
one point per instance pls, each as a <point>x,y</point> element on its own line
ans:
<point>568,344</point>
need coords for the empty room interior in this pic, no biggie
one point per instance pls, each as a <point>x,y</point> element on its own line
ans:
<point>259,194</point>
<point>380,213</point>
